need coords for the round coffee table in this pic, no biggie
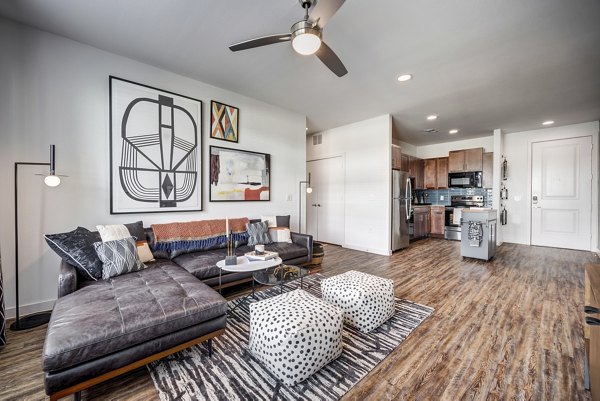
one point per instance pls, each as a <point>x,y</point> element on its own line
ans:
<point>279,275</point>
<point>246,265</point>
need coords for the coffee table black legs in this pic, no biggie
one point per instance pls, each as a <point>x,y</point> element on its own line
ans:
<point>242,300</point>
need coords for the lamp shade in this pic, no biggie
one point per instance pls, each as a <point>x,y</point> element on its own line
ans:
<point>52,180</point>
<point>306,43</point>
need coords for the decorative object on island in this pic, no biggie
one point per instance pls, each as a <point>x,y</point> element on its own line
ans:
<point>51,180</point>
<point>224,121</point>
<point>155,162</point>
<point>239,175</point>
<point>308,191</point>
<point>230,258</point>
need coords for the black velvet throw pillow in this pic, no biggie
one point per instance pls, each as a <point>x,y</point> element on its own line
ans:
<point>77,248</point>
<point>283,221</point>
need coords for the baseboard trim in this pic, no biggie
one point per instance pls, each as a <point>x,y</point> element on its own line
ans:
<point>383,252</point>
<point>25,310</point>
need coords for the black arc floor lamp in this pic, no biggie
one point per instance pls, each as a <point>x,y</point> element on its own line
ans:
<point>51,180</point>
<point>308,191</point>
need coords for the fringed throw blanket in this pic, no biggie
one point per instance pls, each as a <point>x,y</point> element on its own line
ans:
<point>178,238</point>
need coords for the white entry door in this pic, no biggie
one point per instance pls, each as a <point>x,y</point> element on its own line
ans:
<point>325,205</point>
<point>561,193</point>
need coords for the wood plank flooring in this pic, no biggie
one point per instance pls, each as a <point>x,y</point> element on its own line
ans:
<point>510,329</point>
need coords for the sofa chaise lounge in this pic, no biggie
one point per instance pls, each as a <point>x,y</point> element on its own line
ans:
<point>102,329</point>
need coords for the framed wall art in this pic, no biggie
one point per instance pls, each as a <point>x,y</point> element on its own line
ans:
<point>224,121</point>
<point>155,157</point>
<point>239,175</point>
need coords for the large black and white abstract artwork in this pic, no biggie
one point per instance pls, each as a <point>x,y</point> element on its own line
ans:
<point>155,142</point>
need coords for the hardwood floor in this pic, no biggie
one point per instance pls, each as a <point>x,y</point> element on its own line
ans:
<point>510,329</point>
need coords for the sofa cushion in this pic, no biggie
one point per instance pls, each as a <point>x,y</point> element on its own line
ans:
<point>77,248</point>
<point>110,315</point>
<point>118,257</point>
<point>286,251</point>
<point>258,233</point>
<point>113,232</point>
<point>203,265</point>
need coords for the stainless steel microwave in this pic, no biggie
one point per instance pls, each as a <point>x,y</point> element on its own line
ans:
<point>472,179</point>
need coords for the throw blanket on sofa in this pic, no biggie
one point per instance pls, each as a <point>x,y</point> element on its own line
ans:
<point>178,238</point>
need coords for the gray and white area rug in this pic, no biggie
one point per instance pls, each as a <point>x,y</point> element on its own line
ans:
<point>233,374</point>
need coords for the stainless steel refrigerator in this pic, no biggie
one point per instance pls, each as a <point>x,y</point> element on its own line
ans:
<point>401,209</point>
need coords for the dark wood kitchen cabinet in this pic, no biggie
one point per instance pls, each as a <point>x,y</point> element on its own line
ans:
<point>396,157</point>
<point>417,167</point>
<point>405,163</point>
<point>442,173</point>
<point>488,170</point>
<point>436,173</point>
<point>465,160</point>
<point>438,216</point>
<point>421,221</point>
<point>430,173</point>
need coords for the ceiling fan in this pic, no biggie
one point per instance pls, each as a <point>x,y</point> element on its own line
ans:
<point>306,35</point>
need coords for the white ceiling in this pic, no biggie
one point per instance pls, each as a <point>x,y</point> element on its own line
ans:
<point>479,65</point>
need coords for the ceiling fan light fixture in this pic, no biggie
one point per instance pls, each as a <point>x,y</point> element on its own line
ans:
<point>306,38</point>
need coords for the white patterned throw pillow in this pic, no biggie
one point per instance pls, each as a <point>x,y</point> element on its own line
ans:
<point>118,257</point>
<point>119,231</point>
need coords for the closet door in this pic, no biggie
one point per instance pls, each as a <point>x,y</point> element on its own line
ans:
<point>325,205</point>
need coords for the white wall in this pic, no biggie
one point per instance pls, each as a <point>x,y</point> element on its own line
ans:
<point>366,147</point>
<point>442,149</point>
<point>55,91</point>
<point>517,148</point>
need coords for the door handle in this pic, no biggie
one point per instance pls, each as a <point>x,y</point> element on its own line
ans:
<point>534,199</point>
<point>314,205</point>
<point>318,205</point>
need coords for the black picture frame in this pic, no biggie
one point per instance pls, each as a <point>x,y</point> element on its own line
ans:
<point>237,122</point>
<point>171,194</point>
<point>212,173</point>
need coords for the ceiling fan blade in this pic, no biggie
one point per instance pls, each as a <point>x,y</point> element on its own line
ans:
<point>262,41</point>
<point>331,60</point>
<point>324,10</point>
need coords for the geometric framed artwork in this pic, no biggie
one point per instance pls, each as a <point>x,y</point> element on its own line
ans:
<point>155,149</point>
<point>224,121</point>
<point>239,175</point>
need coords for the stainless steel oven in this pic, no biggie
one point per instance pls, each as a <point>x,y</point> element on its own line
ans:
<point>472,179</point>
<point>454,213</point>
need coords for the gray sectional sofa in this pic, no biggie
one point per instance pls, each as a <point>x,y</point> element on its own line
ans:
<point>101,329</point>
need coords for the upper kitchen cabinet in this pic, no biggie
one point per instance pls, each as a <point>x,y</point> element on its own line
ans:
<point>417,167</point>
<point>396,157</point>
<point>405,163</point>
<point>465,160</point>
<point>436,173</point>
<point>430,173</point>
<point>442,172</point>
<point>488,169</point>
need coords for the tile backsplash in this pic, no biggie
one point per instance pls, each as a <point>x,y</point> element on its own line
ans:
<point>434,196</point>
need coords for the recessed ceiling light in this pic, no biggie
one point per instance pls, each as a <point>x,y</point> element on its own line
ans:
<point>453,131</point>
<point>549,122</point>
<point>432,117</point>
<point>405,77</point>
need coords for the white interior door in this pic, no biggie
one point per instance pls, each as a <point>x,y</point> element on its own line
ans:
<point>325,205</point>
<point>561,193</point>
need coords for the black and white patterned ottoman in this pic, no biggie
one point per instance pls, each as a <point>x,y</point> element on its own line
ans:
<point>367,300</point>
<point>295,334</point>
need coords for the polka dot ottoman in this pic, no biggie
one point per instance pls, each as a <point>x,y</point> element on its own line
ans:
<point>367,300</point>
<point>295,334</point>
